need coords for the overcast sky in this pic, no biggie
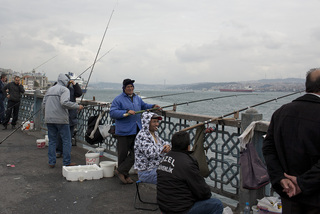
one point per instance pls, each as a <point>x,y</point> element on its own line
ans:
<point>162,41</point>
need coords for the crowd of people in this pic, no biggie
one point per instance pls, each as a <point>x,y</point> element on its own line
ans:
<point>291,147</point>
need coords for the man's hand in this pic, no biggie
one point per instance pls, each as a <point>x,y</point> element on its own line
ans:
<point>293,179</point>
<point>157,107</point>
<point>166,149</point>
<point>131,112</point>
<point>80,107</point>
<point>288,187</point>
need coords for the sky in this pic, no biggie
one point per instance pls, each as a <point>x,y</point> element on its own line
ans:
<point>161,42</point>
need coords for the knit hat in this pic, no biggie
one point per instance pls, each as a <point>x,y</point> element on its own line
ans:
<point>127,82</point>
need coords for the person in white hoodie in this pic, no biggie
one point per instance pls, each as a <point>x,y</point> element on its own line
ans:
<point>149,148</point>
<point>55,105</point>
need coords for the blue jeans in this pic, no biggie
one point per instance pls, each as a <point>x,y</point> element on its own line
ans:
<point>148,176</point>
<point>54,131</point>
<point>59,146</point>
<point>209,206</point>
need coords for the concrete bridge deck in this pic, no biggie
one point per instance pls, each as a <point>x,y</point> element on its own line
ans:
<point>32,187</point>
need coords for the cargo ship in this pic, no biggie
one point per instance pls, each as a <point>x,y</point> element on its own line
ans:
<point>236,90</point>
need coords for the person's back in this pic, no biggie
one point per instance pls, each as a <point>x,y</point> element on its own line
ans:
<point>181,188</point>
<point>292,150</point>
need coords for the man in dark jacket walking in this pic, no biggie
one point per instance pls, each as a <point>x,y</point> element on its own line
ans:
<point>181,188</point>
<point>3,81</point>
<point>13,91</point>
<point>292,150</point>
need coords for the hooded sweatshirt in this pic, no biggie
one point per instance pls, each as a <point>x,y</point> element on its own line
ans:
<point>56,102</point>
<point>147,152</point>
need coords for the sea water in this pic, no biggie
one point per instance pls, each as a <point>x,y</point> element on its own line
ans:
<point>215,107</point>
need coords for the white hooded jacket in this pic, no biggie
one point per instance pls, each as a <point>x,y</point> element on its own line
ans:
<point>147,152</point>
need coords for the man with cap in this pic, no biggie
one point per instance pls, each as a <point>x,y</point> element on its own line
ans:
<point>127,127</point>
<point>149,148</point>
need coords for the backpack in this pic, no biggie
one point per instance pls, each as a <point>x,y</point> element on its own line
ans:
<point>97,137</point>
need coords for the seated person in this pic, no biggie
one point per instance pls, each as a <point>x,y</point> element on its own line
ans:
<point>181,188</point>
<point>149,148</point>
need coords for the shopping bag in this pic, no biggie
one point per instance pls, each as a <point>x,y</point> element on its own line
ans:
<point>253,170</point>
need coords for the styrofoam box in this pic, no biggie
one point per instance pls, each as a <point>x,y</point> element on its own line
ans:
<point>82,172</point>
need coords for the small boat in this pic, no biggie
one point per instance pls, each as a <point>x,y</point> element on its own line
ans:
<point>82,83</point>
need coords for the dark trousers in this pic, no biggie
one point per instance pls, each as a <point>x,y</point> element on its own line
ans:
<point>291,207</point>
<point>2,110</point>
<point>12,108</point>
<point>125,154</point>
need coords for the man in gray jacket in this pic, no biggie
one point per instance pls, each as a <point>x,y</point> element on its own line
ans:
<point>55,105</point>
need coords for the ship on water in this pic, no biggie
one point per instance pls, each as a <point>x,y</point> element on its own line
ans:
<point>247,89</point>
<point>81,81</point>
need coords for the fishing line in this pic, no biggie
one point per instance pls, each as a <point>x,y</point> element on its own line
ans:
<point>187,103</point>
<point>167,95</point>
<point>97,61</point>
<point>235,112</point>
<point>98,52</point>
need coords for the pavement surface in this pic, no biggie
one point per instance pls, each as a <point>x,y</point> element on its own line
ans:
<point>28,185</point>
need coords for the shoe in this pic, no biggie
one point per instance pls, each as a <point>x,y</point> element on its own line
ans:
<point>13,126</point>
<point>71,164</point>
<point>129,180</point>
<point>51,166</point>
<point>5,127</point>
<point>58,155</point>
<point>121,177</point>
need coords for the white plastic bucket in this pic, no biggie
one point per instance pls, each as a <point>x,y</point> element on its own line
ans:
<point>92,158</point>
<point>108,168</point>
<point>41,143</point>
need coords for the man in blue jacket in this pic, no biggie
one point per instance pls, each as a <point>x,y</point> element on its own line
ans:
<point>127,127</point>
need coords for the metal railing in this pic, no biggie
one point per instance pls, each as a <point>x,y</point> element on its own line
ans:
<point>222,145</point>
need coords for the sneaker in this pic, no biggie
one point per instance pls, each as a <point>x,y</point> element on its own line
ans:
<point>4,127</point>
<point>51,166</point>
<point>13,126</point>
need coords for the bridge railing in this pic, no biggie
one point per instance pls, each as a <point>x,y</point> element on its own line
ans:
<point>222,145</point>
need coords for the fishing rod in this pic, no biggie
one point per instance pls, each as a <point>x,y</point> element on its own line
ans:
<point>236,112</point>
<point>168,95</point>
<point>4,139</point>
<point>95,60</point>
<point>45,62</point>
<point>92,64</point>
<point>187,103</point>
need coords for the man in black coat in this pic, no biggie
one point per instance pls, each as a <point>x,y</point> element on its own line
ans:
<point>13,91</point>
<point>292,150</point>
<point>3,81</point>
<point>180,187</point>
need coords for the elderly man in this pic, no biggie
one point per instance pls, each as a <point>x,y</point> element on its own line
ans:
<point>13,91</point>
<point>55,104</point>
<point>127,127</point>
<point>292,150</point>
